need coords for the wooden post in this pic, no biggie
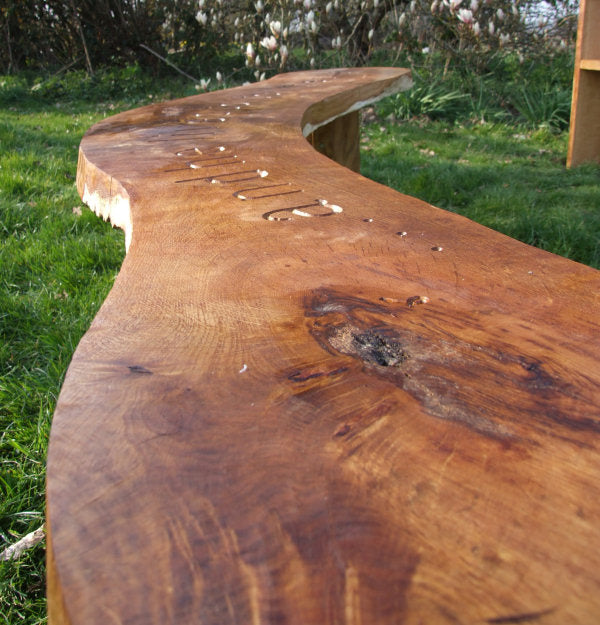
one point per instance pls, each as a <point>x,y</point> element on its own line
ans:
<point>584,136</point>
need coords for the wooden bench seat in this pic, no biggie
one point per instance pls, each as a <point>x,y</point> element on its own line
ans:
<point>312,400</point>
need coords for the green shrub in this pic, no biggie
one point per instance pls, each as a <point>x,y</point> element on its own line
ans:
<point>542,105</point>
<point>433,100</point>
<point>527,92</point>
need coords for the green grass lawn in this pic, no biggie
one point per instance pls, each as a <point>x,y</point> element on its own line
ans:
<point>509,178</point>
<point>57,264</point>
<point>58,261</point>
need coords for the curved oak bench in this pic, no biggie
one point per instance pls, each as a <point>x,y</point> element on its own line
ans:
<point>311,400</point>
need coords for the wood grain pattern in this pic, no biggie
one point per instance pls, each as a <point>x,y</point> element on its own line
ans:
<point>309,399</point>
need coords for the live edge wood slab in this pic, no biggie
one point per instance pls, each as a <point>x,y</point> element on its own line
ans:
<point>311,400</point>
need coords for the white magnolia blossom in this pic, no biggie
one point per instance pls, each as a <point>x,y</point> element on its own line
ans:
<point>201,18</point>
<point>454,4</point>
<point>474,6</point>
<point>275,27</point>
<point>503,38</point>
<point>270,43</point>
<point>259,6</point>
<point>500,14</point>
<point>465,16</point>
<point>491,28</point>
<point>476,28</point>
<point>370,34</point>
<point>328,7</point>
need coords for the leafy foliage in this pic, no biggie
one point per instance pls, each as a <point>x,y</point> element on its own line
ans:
<point>545,104</point>
<point>432,100</point>
<point>510,91</point>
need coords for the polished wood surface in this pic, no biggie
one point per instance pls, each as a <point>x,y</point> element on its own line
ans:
<point>312,400</point>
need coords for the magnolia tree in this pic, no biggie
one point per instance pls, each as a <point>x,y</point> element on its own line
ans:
<point>272,35</point>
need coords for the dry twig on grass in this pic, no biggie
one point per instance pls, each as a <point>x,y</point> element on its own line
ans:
<point>14,552</point>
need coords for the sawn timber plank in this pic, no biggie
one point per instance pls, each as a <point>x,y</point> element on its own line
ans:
<point>312,400</point>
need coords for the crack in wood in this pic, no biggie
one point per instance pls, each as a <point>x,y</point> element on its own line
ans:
<point>138,369</point>
<point>519,618</point>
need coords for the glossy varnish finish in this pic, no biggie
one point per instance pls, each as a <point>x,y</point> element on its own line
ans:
<point>310,399</point>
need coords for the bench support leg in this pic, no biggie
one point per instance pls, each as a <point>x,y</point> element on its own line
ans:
<point>338,140</point>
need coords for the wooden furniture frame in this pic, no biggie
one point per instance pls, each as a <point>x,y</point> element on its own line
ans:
<point>310,399</point>
<point>584,135</point>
